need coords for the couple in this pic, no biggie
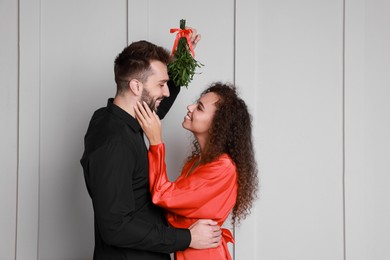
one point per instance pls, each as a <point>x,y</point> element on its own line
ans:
<point>132,197</point>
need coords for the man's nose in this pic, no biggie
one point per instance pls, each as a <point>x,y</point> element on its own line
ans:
<point>166,90</point>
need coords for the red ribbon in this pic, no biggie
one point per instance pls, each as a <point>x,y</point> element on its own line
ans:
<point>180,34</point>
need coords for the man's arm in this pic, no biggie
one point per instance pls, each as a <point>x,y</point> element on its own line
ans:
<point>167,103</point>
<point>114,203</point>
<point>113,199</point>
<point>205,233</point>
<point>174,90</point>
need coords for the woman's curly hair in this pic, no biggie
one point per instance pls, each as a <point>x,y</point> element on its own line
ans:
<point>231,133</point>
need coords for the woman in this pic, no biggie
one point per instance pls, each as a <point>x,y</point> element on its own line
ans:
<point>218,178</point>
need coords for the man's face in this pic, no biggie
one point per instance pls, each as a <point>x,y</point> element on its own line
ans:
<point>155,88</point>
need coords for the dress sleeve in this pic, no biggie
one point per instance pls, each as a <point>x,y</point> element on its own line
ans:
<point>209,192</point>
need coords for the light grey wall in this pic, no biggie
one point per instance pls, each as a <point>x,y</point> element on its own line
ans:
<point>8,126</point>
<point>314,75</point>
<point>292,61</point>
<point>79,43</point>
<point>367,130</point>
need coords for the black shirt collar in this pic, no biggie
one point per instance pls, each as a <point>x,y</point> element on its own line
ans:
<point>126,117</point>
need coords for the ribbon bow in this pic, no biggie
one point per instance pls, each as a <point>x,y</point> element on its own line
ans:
<point>180,34</point>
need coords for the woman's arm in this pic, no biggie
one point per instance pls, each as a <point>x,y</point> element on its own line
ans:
<point>209,192</point>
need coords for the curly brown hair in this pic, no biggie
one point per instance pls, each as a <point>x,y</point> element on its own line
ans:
<point>231,133</point>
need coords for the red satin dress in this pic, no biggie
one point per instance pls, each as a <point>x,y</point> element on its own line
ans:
<point>209,192</point>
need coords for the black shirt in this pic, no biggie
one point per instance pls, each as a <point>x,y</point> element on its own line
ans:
<point>127,224</point>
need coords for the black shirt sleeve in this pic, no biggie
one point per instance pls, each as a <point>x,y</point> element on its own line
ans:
<point>114,204</point>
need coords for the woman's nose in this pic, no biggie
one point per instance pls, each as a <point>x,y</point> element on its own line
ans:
<point>190,108</point>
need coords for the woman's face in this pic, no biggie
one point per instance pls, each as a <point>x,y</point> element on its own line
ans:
<point>200,115</point>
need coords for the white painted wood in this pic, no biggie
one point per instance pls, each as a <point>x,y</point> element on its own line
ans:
<point>29,129</point>
<point>248,78</point>
<point>285,57</point>
<point>137,20</point>
<point>9,126</point>
<point>215,51</point>
<point>367,130</point>
<point>79,42</point>
<point>295,72</point>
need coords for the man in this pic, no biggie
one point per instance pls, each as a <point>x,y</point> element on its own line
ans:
<point>127,224</point>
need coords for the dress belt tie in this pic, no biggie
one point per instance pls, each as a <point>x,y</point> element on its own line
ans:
<point>227,237</point>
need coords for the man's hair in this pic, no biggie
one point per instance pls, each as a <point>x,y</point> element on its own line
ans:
<point>134,63</point>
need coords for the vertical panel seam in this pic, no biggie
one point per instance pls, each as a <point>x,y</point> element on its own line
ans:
<point>148,17</point>
<point>234,82</point>
<point>343,134</point>
<point>235,39</point>
<point>39,119</point>
<point>127,22</point>
<point>18,133</point>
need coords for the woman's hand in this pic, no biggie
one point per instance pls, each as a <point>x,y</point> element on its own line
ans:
<point>150,123</point>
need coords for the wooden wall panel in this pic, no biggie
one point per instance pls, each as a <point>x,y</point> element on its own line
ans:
<point>313,74</point>
<point>367,130</point>
<point>215,22</point>
<point>291,58</point>
<point>8,126</point>
<point>79,42</point>
<point>29,130</point>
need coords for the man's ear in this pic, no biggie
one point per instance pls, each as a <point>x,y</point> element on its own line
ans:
<point>135,87</point>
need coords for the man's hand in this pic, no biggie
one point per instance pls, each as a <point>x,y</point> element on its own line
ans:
<point>205,233</point>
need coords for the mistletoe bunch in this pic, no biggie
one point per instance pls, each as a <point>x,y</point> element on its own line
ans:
<point>184,65</point>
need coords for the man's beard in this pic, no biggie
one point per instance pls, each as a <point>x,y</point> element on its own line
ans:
<point>149,100</point>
